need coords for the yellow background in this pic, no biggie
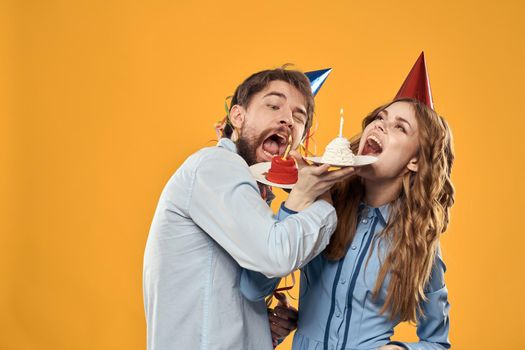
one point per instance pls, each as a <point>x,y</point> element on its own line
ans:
<point>102,100</point>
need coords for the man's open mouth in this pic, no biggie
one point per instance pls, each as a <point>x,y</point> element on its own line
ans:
<point>275,144</point>
<point>373,146</point>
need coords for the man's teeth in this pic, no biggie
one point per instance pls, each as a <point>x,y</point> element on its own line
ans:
<point>269,154</point>
<point>282,138</point>
<point>373,138</point>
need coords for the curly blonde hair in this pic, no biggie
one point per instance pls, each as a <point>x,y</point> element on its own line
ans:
<point>417,216</point>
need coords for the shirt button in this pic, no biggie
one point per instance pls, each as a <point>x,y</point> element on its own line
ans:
<point>365,221</point>
<point>343,281</point>
<point>338,314</point>
<point>354,247</point>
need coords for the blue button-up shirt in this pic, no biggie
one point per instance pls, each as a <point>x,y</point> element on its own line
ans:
<point>336,307</point>
<point>210,221</point>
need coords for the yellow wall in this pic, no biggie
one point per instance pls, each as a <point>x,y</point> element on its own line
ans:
<point>103,100</point>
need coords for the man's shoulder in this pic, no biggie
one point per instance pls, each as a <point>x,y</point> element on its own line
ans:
<point>211,166</point>
<point>212,155</point>
<point>216,159</point>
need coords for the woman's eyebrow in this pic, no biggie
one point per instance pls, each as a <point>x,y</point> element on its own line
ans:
<point>403,120</point>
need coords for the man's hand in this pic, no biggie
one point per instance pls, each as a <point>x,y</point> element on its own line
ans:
<point>313,182</point>
<point>283,319</point>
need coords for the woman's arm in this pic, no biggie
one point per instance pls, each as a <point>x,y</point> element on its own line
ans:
<point>255,286</point>
<point>433,326</point>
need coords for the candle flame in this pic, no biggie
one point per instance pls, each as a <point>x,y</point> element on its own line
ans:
<point>341,123</point>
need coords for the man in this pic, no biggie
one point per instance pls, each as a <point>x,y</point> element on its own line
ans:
<point>211,220</point>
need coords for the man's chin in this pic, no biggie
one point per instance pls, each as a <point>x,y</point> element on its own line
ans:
<point>261,157</point>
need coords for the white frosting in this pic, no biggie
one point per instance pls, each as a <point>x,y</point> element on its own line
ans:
<point>338,152</point>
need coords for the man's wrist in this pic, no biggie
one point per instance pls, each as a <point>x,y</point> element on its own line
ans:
<point>296,202</point>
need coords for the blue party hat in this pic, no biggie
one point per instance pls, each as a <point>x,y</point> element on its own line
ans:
<point>317,78</point>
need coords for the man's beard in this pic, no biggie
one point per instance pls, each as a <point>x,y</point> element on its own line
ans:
<point>246,148</point>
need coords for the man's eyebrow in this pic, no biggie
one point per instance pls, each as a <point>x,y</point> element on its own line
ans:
<point>275,93</point>
<point>279,94</point>
<point>300,110</point>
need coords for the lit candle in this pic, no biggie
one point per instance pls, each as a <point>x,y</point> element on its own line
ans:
<point>288,148</point>
<point>341,124</point>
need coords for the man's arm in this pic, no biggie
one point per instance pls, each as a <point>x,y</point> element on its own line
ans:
<point>225,202</point>
<point>254,285</point>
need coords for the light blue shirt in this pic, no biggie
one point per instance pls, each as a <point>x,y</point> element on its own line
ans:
<point>210,221</point>
<point>336,306</point>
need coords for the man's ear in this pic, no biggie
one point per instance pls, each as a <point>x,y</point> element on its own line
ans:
<point>413,165</point>
<point>237,115</point>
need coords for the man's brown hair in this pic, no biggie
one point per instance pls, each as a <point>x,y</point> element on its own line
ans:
<point>258,82</point>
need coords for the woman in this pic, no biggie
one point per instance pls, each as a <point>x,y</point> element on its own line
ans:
<point>383,264</point>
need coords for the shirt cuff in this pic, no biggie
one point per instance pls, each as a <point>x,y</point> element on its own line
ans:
<point>288,211</point>
<point>399,344</point>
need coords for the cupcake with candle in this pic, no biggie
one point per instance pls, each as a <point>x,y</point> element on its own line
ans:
<point>283,170</point>
<point>338,151</point>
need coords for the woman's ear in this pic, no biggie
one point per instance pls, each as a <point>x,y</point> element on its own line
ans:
<point>237,114</point>
<point>412,165</point>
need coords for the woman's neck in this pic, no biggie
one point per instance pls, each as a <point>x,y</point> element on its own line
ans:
<point>378,193</point>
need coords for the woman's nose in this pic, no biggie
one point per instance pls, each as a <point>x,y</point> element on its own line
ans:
<point>380,126</point>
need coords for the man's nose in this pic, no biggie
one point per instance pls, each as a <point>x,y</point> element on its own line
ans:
<point>287,119</point>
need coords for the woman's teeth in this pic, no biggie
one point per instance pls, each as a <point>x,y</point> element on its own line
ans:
<point>373,146</point>
<point>376,140</point>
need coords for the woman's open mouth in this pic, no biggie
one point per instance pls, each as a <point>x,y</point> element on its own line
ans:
<point>372,147</point>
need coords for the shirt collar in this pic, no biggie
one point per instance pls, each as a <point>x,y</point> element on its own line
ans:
<point>228,144</point>
<point>232,147</point>
<point>383,211</point>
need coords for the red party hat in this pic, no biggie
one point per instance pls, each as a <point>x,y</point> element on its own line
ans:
<point>417,84</point>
